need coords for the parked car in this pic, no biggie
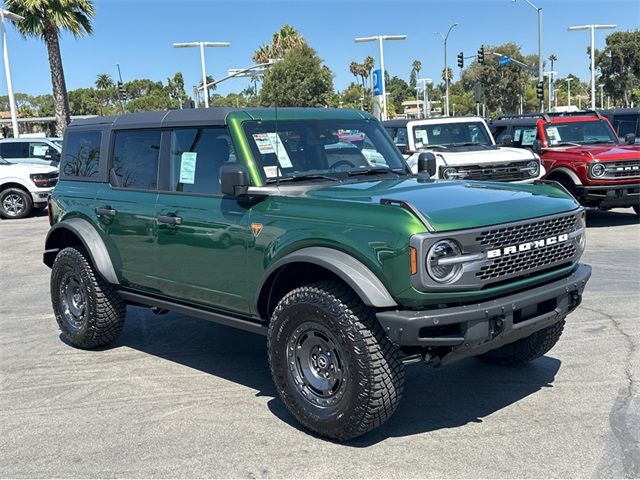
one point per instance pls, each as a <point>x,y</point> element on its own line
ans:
<point>624,121</point>
<point>583,153</point>
<point>350,271</point>
<point>24,187</point>
<point>464,149</point>
<point>40,151</point>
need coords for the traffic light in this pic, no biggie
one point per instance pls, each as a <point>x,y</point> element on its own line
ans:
<point>481,55</point>
<point>540,90</point>
<point>461,59</point>
<point>122,93</point>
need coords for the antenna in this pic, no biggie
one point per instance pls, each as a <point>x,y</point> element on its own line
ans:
<point>277,147</point>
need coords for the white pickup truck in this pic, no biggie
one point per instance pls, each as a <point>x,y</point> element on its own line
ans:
<point>24,187</point>
<point>464,149</point>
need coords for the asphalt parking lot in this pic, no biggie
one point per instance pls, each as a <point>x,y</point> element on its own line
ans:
<point>180,397</point>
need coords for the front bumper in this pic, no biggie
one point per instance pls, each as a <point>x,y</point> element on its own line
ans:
<point>471,330</point>
<point>40,195</point>
<point>609,196</point>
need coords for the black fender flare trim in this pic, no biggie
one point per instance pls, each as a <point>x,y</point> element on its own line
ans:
<point>91,241</point>
<point>567,173</point>
<point>353,272</point>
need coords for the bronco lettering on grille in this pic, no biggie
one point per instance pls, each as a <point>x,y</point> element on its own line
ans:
<point>523,247</point>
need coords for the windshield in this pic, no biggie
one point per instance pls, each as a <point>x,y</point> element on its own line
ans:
<point>324,149</point>
<point>590,132</point>
<point>450,135</point>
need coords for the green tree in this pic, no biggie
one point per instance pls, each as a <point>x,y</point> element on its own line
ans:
<point>104,81</point>
<point>281,42</point>
<point>299,80</point>
<point>46,19</point>
<point>619,66</point>
<point>416,66</point>
<point>175,86</point>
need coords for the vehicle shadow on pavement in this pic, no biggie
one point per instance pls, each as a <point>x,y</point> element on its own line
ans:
<point>602,218</point>
<point>434,398</point>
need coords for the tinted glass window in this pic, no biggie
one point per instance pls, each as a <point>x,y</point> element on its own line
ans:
<point>81,154</point>
<point>196,157</point>
<point>581,133</point>
<point>14,150</point>
<point>38,149</point>
<point>524,136</point>
<point>625,124</point>
<point>135,159</point>
<point>450,134</point>
<point>398,134</point>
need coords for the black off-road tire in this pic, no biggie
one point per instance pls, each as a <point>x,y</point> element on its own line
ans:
<point>373,374</point>
<point>15,203</point>
<point>526,349</point>
<point>88,309</point>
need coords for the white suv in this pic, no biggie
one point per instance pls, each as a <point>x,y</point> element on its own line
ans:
<point>464,149</point>
<point>37,150</point>
<point>24,187</point>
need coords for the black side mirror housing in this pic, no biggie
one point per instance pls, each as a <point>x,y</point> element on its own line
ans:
<point>505,140</point>
<point>630,139</point>
<point>537,146</point>
<point>427,163</point>
<point>234,180</point>
<point>404,149</point>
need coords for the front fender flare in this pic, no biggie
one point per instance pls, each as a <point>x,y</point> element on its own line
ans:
<point>353,272</point>
<point>91,241</point>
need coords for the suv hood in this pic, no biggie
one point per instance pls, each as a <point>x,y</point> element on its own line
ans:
<point>469,156</point>
<point>454,205</point>
<point>25,169</point>
<point>604,153</point>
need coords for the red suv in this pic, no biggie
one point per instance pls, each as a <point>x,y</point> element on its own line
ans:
<point>581,151</point>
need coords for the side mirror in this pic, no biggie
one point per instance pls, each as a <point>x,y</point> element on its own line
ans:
<point>427,163</point>
<point>505,140</point>
<point>537,147</point>
<point>234,180</point>
<point>630,139</point>
<point>404,148</point>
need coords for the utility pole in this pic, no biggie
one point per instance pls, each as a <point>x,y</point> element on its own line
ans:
<point>446,67</point>
<point>540,72</point>
<point>7,70</point>
<point>569,80</point>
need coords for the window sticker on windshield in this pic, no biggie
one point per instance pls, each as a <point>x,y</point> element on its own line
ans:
<point>516,135</point>
<point>188,167</point>
<point>40,150</point>
<point>281,152</point>
<point>263,143</point>
<point>419,145</point>
<point>528,136</point>
<point>271,171</point>
<point>422,135</point>
<point>554,135</point>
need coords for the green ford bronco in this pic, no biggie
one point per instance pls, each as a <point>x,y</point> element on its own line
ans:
<point>307,226</point>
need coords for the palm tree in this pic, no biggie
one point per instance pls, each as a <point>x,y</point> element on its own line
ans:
<point>210,89</point>
<point>285,39</point>
<point>263,54</point>
<point>46,19</point>
<point>417,66</point>
<point>367,66</point>
<point>103,81</point>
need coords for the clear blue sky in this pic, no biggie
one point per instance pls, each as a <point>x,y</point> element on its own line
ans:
<point>138,34</point>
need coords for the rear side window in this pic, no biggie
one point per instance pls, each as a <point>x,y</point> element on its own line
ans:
<point>81,157</point>
<point>10,150</point>
<point>135,159</point>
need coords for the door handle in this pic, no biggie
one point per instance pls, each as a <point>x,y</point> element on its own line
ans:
<point>106,212</point>
<point>169,220</point>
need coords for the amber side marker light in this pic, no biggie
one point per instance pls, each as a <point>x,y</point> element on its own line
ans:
<point>413,260</point>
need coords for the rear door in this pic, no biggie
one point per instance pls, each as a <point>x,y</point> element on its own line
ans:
<point>202,236</point>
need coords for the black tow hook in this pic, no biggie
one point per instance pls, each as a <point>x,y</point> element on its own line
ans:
<point>575,299</point>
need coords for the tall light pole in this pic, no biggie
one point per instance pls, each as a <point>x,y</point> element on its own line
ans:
<point>592,27</point>
<point>380,39</point>
<point>540,71</point>
<point>569,79</point>
<point>204,68</point>
<point>446,68</point>
<point>425,94</point>
<point>5,52</point>
<point>601,95</point>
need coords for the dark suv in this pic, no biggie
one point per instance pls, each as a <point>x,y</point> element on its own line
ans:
<point>582,152</point>
<point>269,221</point>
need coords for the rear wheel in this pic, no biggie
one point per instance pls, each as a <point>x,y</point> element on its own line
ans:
<point>88,309</point>
<point>15,203</point>
<point>526,349</point>
<point>333,366</point>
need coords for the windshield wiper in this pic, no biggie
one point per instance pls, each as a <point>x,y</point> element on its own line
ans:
<point>566,144</point>
<point>426,147</point>
<point>595,142</point>
<point>374,171</point>
<point>300,178</point>
<point>466,144</point>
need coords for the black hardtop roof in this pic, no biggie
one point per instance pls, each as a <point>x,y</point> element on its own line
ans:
<point>400,122</point>
<point>621,111</point>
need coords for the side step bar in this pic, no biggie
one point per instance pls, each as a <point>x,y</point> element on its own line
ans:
<point>220,318</point>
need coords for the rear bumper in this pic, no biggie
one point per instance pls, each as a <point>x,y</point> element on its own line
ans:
<point>477,328</point>
<point>609,196</point>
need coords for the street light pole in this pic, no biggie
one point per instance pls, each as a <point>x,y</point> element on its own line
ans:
<point>202,62</point>
<point>540,71</point>
<point>446,68</point>
<point>569,79</point>
<point>592,27</point>
<point>380,39</point>
<point>5,53</point>
<point>601,95</point>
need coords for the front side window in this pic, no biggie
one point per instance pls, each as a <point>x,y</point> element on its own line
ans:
<point>14,150</point>
<point>196,157</point>
<point>625,124</point>
<point>450,135</point>
<point>524,136</point>
<point>335,148</point>
<point>579,133</point>
<point>81,156</point>
<point>135,159</point>
<point>399,135</point>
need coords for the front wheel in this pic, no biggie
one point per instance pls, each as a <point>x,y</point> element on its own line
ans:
<point>333,366</point>
<point>15,203</point>
<point>526,349</point>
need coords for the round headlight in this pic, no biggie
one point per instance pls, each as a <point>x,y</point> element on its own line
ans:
<point>597,169</point>
<point>533,167</point>
<point>449,173</point>
<point>444,272</point>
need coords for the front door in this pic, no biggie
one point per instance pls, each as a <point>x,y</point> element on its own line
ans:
<point>202,236</point>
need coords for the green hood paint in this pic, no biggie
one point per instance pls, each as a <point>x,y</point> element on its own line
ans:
<point>458,205</point>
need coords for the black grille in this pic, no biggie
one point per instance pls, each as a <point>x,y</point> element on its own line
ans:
<point>528,232</point>
<point>622,169</point>
<point>523,261</point>
<point>499,172</point>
